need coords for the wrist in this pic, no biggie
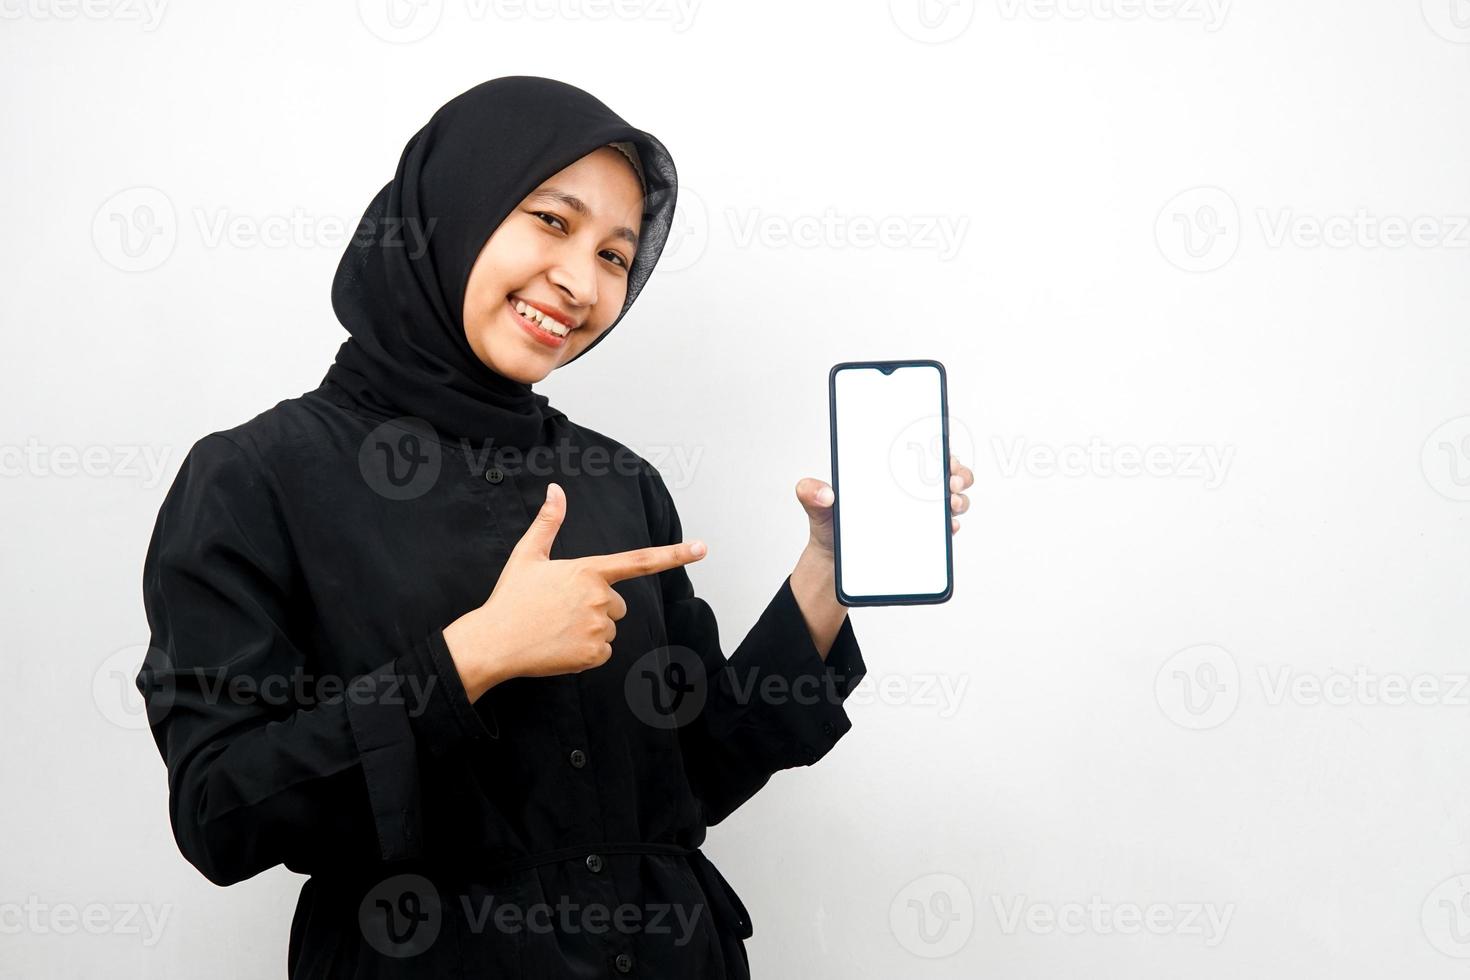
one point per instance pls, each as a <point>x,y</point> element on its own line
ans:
<point>815,575</point>
<point>814,586</point>
<point>818,559</point>
<point>475,658</point>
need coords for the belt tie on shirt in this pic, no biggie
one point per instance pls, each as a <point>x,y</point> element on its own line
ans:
<point>725,905</point>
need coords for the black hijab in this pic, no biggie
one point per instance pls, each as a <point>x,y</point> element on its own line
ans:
<point>457,179</point>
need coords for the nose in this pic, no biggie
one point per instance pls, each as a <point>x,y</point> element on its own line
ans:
<point>576,277</point>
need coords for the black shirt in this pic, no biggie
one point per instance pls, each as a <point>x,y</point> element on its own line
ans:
<point>302,568</point>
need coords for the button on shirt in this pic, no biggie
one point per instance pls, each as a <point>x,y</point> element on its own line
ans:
<point>297,583</point>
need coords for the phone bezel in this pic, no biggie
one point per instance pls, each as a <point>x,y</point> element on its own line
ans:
<point>890,600</point>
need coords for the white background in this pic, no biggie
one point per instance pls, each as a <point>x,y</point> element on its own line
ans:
<point>1118,642</point>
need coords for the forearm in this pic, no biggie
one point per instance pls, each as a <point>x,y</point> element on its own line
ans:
<point>814,584</point>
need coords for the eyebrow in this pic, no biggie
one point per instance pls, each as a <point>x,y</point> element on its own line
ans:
<point>578,205</point>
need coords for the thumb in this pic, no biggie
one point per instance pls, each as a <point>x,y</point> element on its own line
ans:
<point>537,541</point>
<point>815,496</point>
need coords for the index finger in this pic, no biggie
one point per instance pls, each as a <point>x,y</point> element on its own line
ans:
<point>644,561</point>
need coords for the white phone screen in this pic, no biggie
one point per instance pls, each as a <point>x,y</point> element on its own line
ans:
<point>890,472</point>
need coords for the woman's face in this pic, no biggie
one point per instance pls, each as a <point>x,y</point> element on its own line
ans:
<point>566,249</point>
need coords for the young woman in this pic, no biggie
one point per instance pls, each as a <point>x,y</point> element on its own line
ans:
<point>507,786</point>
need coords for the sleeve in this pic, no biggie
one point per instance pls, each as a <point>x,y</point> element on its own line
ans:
<point>258,773</point>
<point>774,704</point>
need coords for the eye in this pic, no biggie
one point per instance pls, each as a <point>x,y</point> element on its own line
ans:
<point>552,221</point>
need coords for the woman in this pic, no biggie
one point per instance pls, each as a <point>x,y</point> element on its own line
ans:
<point>507,786</point>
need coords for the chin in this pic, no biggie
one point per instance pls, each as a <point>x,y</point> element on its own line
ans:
<point>520,369</point>
<point>534,365</point>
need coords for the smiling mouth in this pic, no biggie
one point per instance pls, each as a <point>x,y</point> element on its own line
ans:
<point>538,318</point>
<point>537,325</point>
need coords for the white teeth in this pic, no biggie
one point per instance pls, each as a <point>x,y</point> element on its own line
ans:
<point>540,319</point>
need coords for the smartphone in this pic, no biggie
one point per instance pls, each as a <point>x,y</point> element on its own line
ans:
<point>890,476</point>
